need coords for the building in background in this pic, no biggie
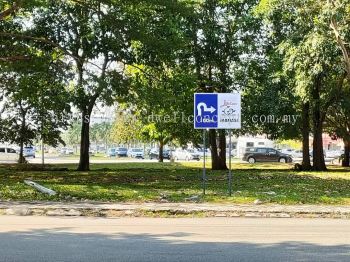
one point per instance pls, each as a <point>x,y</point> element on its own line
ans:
<point>103,114</point>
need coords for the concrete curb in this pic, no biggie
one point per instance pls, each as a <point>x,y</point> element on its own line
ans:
<point>98,209</point>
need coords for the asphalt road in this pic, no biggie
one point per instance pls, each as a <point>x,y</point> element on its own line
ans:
<point>151,239</point>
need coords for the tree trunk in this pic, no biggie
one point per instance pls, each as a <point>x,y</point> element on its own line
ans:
<point>318,155</point>
<point>21,158</point>
<point>161,147</point>
<point>306,164</point>
<point>216,160</point>
<point>346,160</point>
<point>222,146</point>
<point>10,10</point>
<point>84,162</point>
<point>213,148</point>
<point>317,120</point>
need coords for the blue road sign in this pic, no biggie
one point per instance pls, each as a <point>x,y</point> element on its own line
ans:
<point>217,111</point>
<point>205,110</point>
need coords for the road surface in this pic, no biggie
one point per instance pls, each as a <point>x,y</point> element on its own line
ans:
<point>176,239</point>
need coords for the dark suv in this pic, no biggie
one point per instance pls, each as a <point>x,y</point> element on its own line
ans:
<point>263,154</point>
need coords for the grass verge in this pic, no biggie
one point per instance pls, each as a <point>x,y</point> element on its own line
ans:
<point>177,182</point>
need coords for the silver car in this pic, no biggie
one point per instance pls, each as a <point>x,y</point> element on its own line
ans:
<point>29,151</point>
<point>8,154</point>
<point>186,154</point>
<point>136,153</point>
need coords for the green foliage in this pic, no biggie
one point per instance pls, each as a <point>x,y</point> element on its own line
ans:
<point>100,132</point>
<point>294,144</point>
<point>86,36</point>
<point>126,129</point>
<point>72,135</point>
<point>163,103</point>
<point>311,61</point>
<point>338,117</point>
<point>153,55</point>
<point>35,102</point>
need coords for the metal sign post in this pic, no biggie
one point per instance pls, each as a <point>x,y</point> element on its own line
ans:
<point>217,111</point>
<point>42,153</point>
<point>204,173</point>
<point>229,166</point>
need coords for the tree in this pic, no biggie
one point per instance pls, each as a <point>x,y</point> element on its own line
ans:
<point>162,80</point>
<point>338,122</point>
<point>126,128</point>
<point>95,37</point>
<point>163,104</point>
<point>339,21</point>
<point>72,135</point>
<point>8,9</point>
<point>35,104</point>
<point>12,15</point>
<point>100,132</point>
<point>311,58</point>
<point>98,37</point>
<point>337,16</point>
<point>221,33</point>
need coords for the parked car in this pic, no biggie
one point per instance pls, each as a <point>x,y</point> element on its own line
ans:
<point>333,153</point>
<point>263,154</point>
<point>8,154</point>
<point>342,156</point>
<point>311,153</point>
<point>200,151</point>
<point>233,152</point>
<point>111,152</point>
<point>122,152</point>
<point>287,151</point>
<point>136,153</point>
<point>29,151</point>
<point>63,151</point>
<point>186,154</point>
<point>66,151</point>
<point>92,152</point>
<point>154,154</point>
<point>297,154</point>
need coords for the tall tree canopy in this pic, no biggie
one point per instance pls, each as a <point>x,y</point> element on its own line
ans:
<point>303,35</point>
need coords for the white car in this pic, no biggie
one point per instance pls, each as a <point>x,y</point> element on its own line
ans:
<point>288,151</point>
<point>136,153</point>
<point>29,151</point>
<point>297,154</point>
<point>8,154</point>
<point>333,153</point>
<point>186,154</point>
<point>200,151</point>
<point>66,151</point>
<point>233,152</point>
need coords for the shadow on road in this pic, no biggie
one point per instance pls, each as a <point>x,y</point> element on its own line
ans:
<point>61,245</point>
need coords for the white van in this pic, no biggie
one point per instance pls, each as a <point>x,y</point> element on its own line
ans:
<point>8,154</point>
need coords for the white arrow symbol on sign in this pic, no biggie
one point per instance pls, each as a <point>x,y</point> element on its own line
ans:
<point>205,108</point>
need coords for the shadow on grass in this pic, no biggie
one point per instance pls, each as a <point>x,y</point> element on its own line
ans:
<point>63,244</point>
<point>159,167</point>
<point>132,182</point>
